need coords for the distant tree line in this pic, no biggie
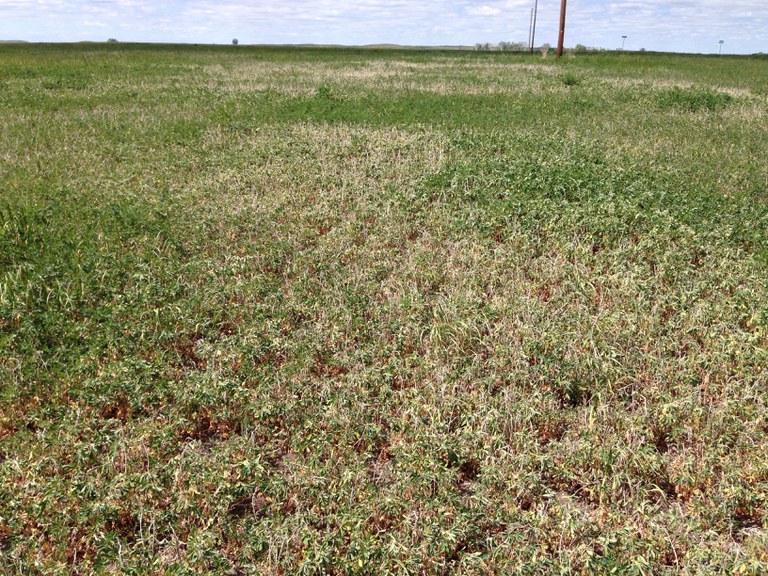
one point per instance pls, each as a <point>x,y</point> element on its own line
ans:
<point>505,46</point>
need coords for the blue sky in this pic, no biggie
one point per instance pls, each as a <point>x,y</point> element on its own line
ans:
<point>667,25</point>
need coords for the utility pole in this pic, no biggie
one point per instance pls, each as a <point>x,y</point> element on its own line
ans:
<point>561,36</point>
<point>533,25</point>
<point>530,33</point>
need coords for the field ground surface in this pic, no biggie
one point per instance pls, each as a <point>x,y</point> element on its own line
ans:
<point>344,311</point>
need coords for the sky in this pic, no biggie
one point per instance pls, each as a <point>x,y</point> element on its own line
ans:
<point>663,25</point>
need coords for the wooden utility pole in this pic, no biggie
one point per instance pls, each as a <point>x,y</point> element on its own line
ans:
<point>533,24</point>
<point>561,36</point>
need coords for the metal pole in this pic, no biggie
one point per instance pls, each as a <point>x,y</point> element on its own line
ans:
<point>533,29</point>
<point>561,36</point>
<point>530,33</point>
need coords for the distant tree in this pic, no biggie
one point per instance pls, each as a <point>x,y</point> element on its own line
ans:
<point>513,46</point>
<point>581,48</point>
<point>112,40</point>
<point>235,41</point>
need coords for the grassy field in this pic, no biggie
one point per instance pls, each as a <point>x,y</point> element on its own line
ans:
<point>338,311</point>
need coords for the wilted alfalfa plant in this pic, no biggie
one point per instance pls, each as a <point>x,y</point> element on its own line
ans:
<point>382,329</point>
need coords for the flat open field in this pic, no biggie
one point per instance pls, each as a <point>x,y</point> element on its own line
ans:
<point>337,311</point>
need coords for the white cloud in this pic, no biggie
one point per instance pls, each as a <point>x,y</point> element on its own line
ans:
<point>483,11</point>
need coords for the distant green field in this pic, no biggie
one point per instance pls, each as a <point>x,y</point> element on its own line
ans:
<point>345,311</point>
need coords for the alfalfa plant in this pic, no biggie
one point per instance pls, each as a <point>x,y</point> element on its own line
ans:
<point>694,100</point>
<point>570,79</point>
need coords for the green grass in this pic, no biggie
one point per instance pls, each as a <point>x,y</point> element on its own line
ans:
<point>314,311</point>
